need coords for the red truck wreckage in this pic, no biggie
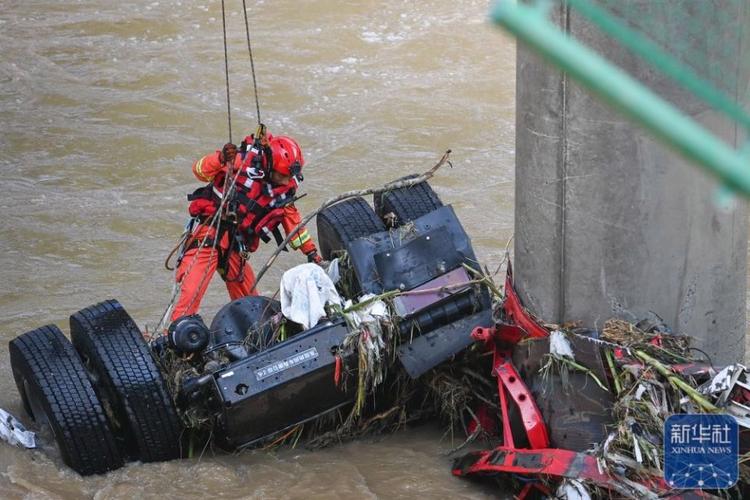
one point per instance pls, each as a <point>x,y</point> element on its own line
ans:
<point>538,459</point>
<point>248,385</point>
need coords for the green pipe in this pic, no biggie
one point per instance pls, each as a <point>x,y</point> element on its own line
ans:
<point>619,89</point>
<point>661,60</point>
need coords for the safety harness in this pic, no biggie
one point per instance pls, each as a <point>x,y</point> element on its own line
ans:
<point>254,211</point>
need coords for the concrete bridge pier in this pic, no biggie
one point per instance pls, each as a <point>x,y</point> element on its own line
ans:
<point>609,223</point>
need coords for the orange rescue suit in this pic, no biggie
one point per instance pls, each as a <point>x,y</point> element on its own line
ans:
<point>199,263</point>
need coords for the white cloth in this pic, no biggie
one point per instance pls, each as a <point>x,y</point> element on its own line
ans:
<point>333,270</point>
<point>305,289</point>
<point>370,314</point>
<point>559,345</point>
<point>12,431</point>
<point>366,323</point>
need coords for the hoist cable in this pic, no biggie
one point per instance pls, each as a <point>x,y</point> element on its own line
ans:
<point>216,219</point>
<point>252,62</point>
<point>226,68</point>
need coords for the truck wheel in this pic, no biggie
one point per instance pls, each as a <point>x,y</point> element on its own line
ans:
<point>407,203</point>
<point>127,379</point>
<point>344,222</point>
<point>377,198</point>
<point>56,391</point>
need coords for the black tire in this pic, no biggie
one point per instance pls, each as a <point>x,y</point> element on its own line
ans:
<point>407,203</point>
<point>377,198</point>
<point>344,222</point>
<point>56,390</point>
<point>127,378</point>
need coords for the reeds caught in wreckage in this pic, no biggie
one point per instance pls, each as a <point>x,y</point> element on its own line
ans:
<point>639,375</point>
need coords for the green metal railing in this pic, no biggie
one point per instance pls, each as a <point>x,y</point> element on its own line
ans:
<point>530,24</point>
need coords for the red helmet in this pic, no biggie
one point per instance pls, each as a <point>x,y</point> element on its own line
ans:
<point>286,152</point>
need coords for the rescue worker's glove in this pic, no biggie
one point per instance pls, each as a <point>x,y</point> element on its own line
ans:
<point>228,152</point>
<point>314,257</point>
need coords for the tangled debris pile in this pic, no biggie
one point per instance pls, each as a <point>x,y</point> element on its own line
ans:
<point>619,385</point>
<point>584,412</point>
<point>383,396</point>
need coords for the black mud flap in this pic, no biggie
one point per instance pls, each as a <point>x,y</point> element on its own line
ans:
<point>285,385</point>
<point>441,243</point>
<point>420,260</point>
<point>429,350</point>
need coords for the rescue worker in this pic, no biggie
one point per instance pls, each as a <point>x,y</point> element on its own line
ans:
<point>262,177</point>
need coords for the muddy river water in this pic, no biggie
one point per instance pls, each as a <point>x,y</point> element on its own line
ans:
<point>103,108</point>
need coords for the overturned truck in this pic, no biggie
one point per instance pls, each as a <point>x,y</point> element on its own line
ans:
<point>108,397</point>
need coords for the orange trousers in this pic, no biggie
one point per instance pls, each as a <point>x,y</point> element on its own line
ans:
<point>197,268</point>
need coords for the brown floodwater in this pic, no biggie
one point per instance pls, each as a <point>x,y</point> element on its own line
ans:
<point>103,108</point>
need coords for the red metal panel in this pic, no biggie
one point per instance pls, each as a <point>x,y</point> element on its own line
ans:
<point>532,419</point>
<point>515,312</point>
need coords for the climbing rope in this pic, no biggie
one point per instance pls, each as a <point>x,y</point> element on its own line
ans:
<point>215,223</point>
<point>226,67</point>
<point>226,64</point>
<point>216,219</point>
<point>229,186</point>
<point>252,62</point>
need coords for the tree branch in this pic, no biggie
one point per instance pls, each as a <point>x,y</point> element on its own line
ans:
<point>349,194</point>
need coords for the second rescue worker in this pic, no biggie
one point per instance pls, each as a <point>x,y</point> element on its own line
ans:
<point>263,177</point>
